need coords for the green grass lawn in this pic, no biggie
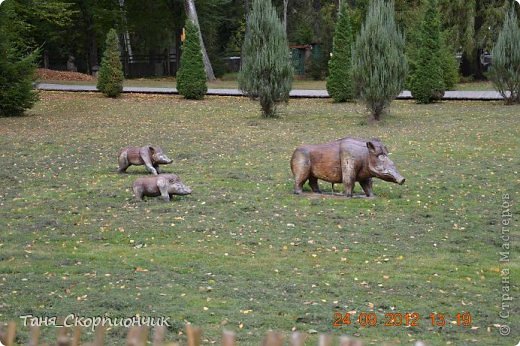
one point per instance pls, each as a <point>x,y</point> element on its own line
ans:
<point>475,86</point>
<point>242,252</point>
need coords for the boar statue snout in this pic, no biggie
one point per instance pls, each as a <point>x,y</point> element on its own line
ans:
<point>394,177</point>
<point>163,159</point>
<point>181,189</point>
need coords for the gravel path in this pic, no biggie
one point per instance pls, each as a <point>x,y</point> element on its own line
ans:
<point>449,95</point>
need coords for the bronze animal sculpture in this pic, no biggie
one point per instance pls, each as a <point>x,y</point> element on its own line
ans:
<point>346,161</point>
<point>164,185</point>
<point>151,156</point>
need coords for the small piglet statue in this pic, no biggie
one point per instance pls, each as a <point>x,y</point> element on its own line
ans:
<point>151,156</point>
<point>164,185</point>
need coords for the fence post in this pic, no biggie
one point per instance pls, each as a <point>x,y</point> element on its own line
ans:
<point>298,339</point>
<point>63,339</point>
<point>99,339</point>
<point>348,341</point>
<point>193,334</point>
<point>158,335</point>
<point>76,337</point>
<point>137,336</point>
<point>325,340</point>
<point>11,333</point>
<point>228,338</point>
<point>273,339</point>
<point>35,336</point>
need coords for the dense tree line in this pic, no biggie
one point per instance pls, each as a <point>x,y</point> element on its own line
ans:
<point>63,28</point>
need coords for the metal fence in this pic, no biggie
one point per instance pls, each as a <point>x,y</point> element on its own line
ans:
<point>158,65</point>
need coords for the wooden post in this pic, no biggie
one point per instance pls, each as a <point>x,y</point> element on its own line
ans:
<point>325,340</point>
<point>35,336</point>
<point>158,335</point>
<point>193,334</point>
<point>228,338</point>
<point>348,341</point>
<point>99,339</point>
<point>11,333</point>
<point>298,339</point>
<point>76,337</point>
<point>273,339</point>
<point>63,339</point>
<point>137,336</point>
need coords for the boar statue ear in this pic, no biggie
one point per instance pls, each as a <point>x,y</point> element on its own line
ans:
<point>151,148</point>
<point>371,147</point>
<point>385,150</point>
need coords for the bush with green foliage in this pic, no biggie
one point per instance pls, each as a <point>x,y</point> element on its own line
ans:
<point>110,75</point>
<point>427,81</point>
<point>191,77</point>
<point>266,70</point>
<point>17,72</point>
<point>339,83</point>
<point>505,68</point>
<point>379,65</point>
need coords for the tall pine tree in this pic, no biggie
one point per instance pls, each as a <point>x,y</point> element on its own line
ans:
<point>505,70</point>
<point>110,76</point>
<point>427,82</point>
<point>191,77</point>
<point>339,84</point>
<point>266,70</point>
<point>379,65</point>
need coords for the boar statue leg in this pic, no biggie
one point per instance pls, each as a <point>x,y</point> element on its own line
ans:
<point>301,168</point>
<point>157,169</point>
<point>139,192</point>
<point>348,176</point>
<point>349,186</point>
<point>367,187</point>
<point>146,153</point>
<point>150,168</point>
<point>298,184</point>
<point>123,162</point>
<point>163,188</point>
<point>313,182</point>
<point>348,173</point>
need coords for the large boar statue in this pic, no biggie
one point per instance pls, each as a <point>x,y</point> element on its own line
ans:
<point>164,185</point>
<point>346,161</point>
<point>151,156</point>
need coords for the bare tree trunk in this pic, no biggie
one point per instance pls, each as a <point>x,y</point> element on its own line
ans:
<point>247,8</point>
<point>285,4</point>
<point>126,34</point>
<point>90,43</point>
<point>191,13</point>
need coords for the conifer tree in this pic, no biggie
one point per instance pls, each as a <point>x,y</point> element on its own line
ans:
<point>379,64</point>
<point>17,70</point>
<point>427,82</point>
<point>266,70</point>
<point>191,77</point>
<point>450,65</point>
<point>505,68</point>
<point>339,84</point>
<point>110,75</point>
